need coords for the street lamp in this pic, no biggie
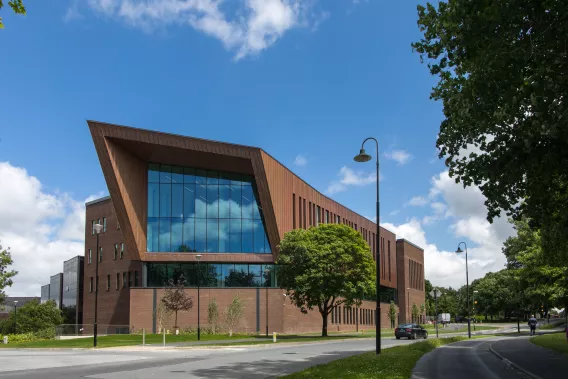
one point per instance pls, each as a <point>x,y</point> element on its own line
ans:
<point>474,292</point>
<point>408,314</point>
<point>198,257</point>
<point>364,157</point>
<point>98,229</point>
<point>266,273</point>
<point>16,316</point>
<point>458,251</point>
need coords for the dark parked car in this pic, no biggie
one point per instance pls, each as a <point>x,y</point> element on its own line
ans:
<point>410,331</point>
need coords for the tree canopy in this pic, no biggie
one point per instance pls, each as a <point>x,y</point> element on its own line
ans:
<point>176,299</point>
<point>16,5</point>
<point>34,317</point>
<point>325,266</point>
<point>5,274</point>
<point>502,68</point>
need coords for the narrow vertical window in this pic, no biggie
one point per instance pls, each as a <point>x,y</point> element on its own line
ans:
<point>117,280</point>
<point>117,225</point>
<point>91,284</point>
<point>129,279</point>
<point>310,213</point>
<point>135,278</point>
<point>104,224</point>
<point>305,214</point>
<point>293,211</point>
<point>100,254</point>
<point>300,211</point>
<point>90,258</point>
<point>389,251</point>
<point>121,250</point>
<point>93,227</point>
<point>115,251</point>
<point>123,279</point>
<point>108,282</point>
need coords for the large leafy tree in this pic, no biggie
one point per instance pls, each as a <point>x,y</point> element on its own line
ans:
<point>543,282</point>
<point>502,68</point>
<point>324,267</point>
<point>34,317</point>
<point>6,275</point>
<point>16,5</point>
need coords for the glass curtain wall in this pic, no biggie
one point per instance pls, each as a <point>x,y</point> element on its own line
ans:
<point>193,210</point>
<point>213,274</point>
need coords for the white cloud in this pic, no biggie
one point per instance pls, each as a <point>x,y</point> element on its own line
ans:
<point>350,177</point>
<point>41,229</point>
<point>300,160</point>
<point>399,156</point>
<point>417,201</point>
<point>72,13</point>
<point>394,213</point>
<point>252,26</point>
<point>465,209</point>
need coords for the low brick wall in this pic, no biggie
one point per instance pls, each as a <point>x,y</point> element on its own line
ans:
<point>283,317</point>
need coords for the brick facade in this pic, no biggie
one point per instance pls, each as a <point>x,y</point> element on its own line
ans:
<point>410,268</point>
<point>288,203</point>
<point>283,317</point>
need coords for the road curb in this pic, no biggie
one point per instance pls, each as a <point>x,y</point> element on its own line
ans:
<point>512,364</point>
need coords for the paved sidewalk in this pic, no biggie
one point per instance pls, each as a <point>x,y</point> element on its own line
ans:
<point>540,362</point>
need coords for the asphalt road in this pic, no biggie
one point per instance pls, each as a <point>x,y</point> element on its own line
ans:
<point>464,360</point>
<point>243,362</point>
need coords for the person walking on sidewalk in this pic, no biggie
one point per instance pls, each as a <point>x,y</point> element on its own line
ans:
<point>532,324</point>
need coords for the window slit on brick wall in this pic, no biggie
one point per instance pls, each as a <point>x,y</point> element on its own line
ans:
<point>293,211</point>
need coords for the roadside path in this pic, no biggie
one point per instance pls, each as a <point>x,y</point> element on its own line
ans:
<point>538,361</point>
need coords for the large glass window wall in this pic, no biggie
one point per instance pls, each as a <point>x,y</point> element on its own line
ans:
<point>212,274</point>
<point>193,210</point>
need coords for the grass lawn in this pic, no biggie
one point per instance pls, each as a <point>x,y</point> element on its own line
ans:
<point>553,341</point>
<point>122,340</point>
<point>553,324</point>
<point>393,363</point>
<point>136,339</point>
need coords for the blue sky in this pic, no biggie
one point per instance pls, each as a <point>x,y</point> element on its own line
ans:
<point>305,80</point>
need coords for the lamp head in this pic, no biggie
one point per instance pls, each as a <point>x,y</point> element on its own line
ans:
<point>98,228</point>
<point>362,156</point>
<point>198,257</point>
<point>459,250</point>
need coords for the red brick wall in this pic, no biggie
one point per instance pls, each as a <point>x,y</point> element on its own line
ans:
<point>113,305</point>
<point>405,252</point>
<point>283,317</point>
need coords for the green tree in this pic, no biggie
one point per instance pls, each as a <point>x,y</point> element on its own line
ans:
<point>501,68</point>
<point>324,267</point>
<point>34,317</point>
<point>430,301</point>
<point>415,312</point>
<point>16,5</point>
<point>422,310</point>
<point>239,279</point>
<point>542,281</point>
<point>175,299</point>
<point>213,315</point>
<point>5,274</point>
<point>234,313</point>
<point>392,313</point>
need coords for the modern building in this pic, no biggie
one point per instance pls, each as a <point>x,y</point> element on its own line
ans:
<point>44,293</point>
<point>173,198</point>
<point>66,289</point>
<point>72,299</point>
<point>56,288</point>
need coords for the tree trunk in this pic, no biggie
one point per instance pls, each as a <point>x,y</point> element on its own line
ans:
<point>324,319</point>
<point>176,323</point>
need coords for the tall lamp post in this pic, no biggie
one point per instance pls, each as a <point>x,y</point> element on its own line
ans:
<point>266,274</point>
<point>98,228</point>
<point>198,257</point>
<point>458,251</point>
<point>364,157</point>
<point>473,300</point>
<point>16,316</point>
<point>408,313</point>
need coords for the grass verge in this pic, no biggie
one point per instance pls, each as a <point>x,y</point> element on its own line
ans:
<point>393,363</point>
<point>553,341</point>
